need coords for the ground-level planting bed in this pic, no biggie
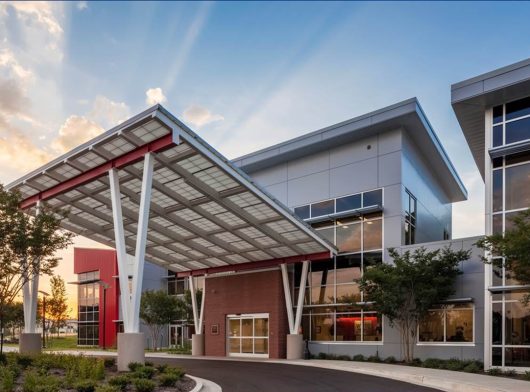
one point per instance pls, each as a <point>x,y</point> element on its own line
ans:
<point>57,372</point>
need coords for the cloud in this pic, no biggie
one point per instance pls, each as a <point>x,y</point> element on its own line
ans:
<point>40,11</point>
<point>75,131</point>
<point>82,5</point>
<point>108,113</point>
<point>17,151</point>
<point>199,116</point>
<point>154,96</point>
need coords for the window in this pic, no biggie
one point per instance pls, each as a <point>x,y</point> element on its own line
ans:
<point>511,123</point>
<point>176,286</point>
<point>448,324</point>
<point>517,188</point>
<point>340,204</point>
<point>88,309</point>
<point>410,209</point>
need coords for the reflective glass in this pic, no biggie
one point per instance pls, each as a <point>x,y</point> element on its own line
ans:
<point>348,268</point>
<point>372,323</point>
<point>302,212</point>
<point>348,293</point>
<point>497,190</point>
<point>497,136</point>
<point>234,345</point>
<point>459,325</point>
<point>261,346</point>
<point>517,158</point>
<point>234,327</point>
<point>349,327</point>
<point>261,327</point>
<point>517,130</point>
<point>348,203</point>
<point>517,357</point>
<point>247,327</point>
<point>517,192</point>
<point>518,108</point>
<point>322,208</point>
<point>322,273</point>
<point>322,295</point>
<point>322,328</point>
<point>497,114</point>
<point>517,324</point>
<point>431,328</point>
<point>372,234</point>
<point>496,356</point>
<point>247,346</point>
<point>497,224</point>
<point>373,198</point>
<point>349,236</point>
<point>328,233</point>
<point>496,323</point>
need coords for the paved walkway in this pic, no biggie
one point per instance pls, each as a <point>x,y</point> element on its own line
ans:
<point>326,375</point>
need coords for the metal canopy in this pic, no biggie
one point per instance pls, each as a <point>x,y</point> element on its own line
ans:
<point>204,212</point>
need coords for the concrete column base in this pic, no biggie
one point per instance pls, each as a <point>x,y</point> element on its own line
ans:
<point>197,345</point>
<point>295,346</point>
<point>130,349</point>
<point>30,343</point>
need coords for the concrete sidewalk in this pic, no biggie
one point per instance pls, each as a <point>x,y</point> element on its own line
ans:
<point>444,380</point>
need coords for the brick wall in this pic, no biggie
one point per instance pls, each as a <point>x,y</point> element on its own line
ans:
<point>258,292</point>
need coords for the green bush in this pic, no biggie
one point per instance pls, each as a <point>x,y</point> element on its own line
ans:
<point>143,385</point>
<point>7,379</point>
<point>322,356</point>
<point>526,375</point>
<point>161,367</point>
<point>390,359</point>
<point>145,372</point>
<point>510,373</point>
<point>24,361</point>
<point>472,367</point>
<point>416,362</point>
<point>494,372</point>
<point>168,380</point>
<point>120,381</point>
<point>433,363</point>
<point>109,362</point>
<point>343,358</point>
<point>149,363</point>
<point>85,386</point>
<point>175,371</point>
<point>454,364</point>
<point>373,358</point>
<point>134,365</point>
<point>33,382</point>
<point>358,357</point>
<point>107,388</point>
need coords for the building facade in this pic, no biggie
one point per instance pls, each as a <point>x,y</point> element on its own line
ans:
<point>494,112</point>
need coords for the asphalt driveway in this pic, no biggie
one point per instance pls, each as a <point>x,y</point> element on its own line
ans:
<point>236,376</point>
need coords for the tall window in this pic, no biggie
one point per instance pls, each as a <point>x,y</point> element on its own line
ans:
<point>410,210</point>
<point>88,309</point>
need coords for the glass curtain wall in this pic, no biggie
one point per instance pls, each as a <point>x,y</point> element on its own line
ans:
<point>88,309</point>
<point>510,328</point>
<point>335,309</point>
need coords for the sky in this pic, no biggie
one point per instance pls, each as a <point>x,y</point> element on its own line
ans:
<point>242,75</point>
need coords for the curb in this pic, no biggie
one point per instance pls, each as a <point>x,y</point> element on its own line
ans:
<point>204,385</point>
<point>198,383</point>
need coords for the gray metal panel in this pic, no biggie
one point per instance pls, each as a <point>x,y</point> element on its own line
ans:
<point>470,98</point>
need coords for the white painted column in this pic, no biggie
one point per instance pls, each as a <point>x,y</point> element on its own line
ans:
<point>30,292</point>
<point>287,295</point>
<point>121,253</point>
<point>201,315</point>
<point>301,294</point>
<point>141,242</point>
<point>191,284</point>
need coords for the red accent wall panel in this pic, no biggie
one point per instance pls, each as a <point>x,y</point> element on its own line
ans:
<point>258,292</point>
<point>104,261</point>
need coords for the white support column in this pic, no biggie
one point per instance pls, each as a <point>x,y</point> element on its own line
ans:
<point>26,304</point>
<point>121,253</point>
<point>141,242</point>
<point>301,294</point>
<point>287,295</point>
<point>201,315</point>
<point>194,305</point>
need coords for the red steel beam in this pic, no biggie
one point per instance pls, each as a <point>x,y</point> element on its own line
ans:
<point>256,264</point>
<point>128,158</point>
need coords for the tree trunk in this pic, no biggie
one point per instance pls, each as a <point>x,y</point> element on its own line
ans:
<point>1,332</point>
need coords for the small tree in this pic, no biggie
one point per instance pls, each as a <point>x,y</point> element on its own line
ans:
<point>27,246</point>
<point>14,317</point>
<point>157,310</point>
<point>56,305</point>
<point>406,290</point>
<point>513,248</point>
<point>187,305</point>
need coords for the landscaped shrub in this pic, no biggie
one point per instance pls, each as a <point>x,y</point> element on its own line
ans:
<point>161,367</point>
<point>454,364</point>
<point>472,367</point>
<point>175,371</point>
<point>510,373</point>
<point>390,359</point>
<point>322,356</point>
<point>433,363</point>
<point>120,381</point>
<point>343,357</point>
<point>33,382</point>
<point>109,362</point>
<point>24,361</point>
<point>373,358</point>
<point>149,363</point>
<point>7,380</point>
<point>85,386</point>
<point>494,372</point>
<point>107,388</point>
<point>143,385</point>
<point>416,362</point>
<point>358,357</point>
<point>134,365</point>
<point>144,372</point>
<point>526,375</point>
<point>168,380</point>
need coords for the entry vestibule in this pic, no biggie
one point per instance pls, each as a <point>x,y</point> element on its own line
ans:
<point>248,335</point>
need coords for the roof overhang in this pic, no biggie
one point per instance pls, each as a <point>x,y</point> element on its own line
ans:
<point>470,98</point>
<point>204,213</point>
<point>407,115</point>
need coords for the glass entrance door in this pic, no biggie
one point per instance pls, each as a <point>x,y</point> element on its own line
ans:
<point>248,335</point>
<point>176,335</point>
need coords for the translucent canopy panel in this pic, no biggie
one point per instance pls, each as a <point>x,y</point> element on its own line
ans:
<point>204,212</point>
